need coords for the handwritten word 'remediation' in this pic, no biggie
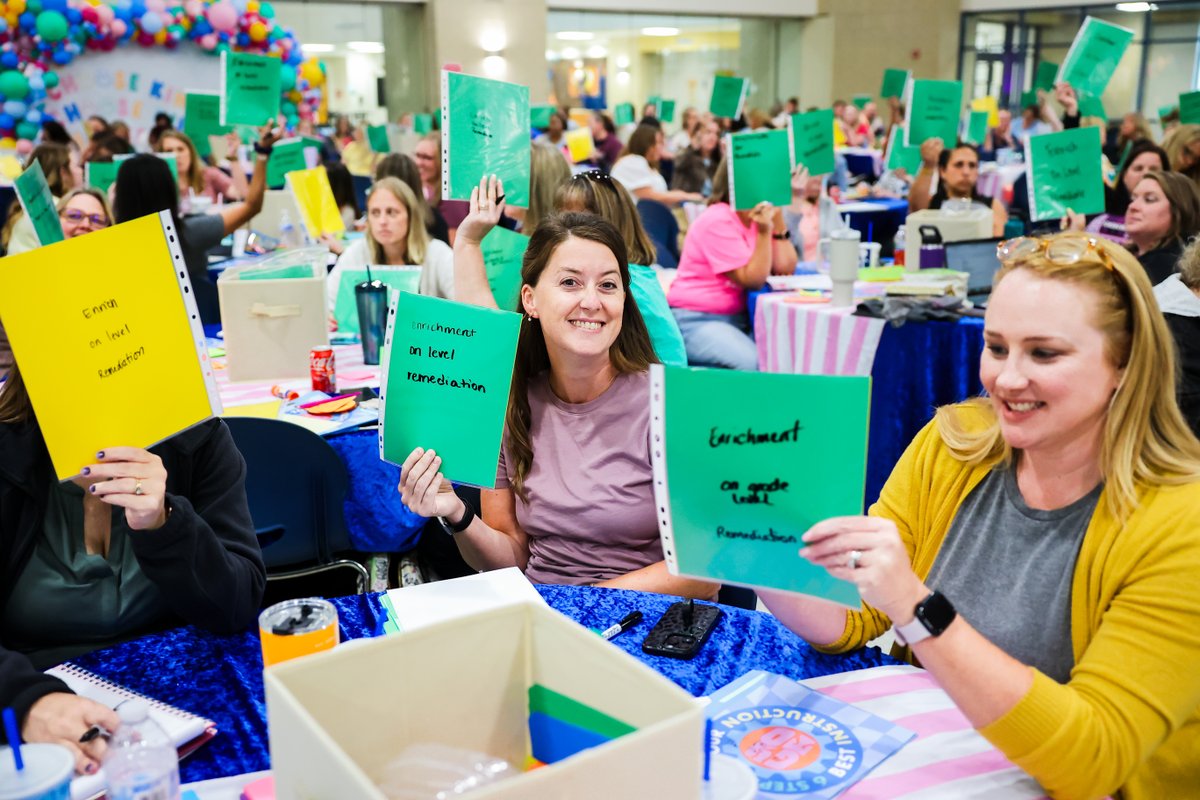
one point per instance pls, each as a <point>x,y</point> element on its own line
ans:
<point>788,435</point>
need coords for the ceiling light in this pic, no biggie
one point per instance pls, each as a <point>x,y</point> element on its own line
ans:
<point>551,55</point>
<point>570,53</point>
<point>365,47</point>
<point>597,51</point>
<point>622,62</point>
<point>1136,7</point>
<point>316,47</point>
<point>575,36</point>
<point>493,41</point>
<point>660,31</point>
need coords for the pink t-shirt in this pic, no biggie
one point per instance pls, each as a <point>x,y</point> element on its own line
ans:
<point>590,515</point>
<point>716,243</point>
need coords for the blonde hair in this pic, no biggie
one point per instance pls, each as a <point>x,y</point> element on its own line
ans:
<point>194,179</point>
<point>1178,141</point>
<point>1146,441</point>
<point>598,193</point>
<point>547,171</point>
<point>92,192</point>
<point>1189,266</point>
<point>416,242</point>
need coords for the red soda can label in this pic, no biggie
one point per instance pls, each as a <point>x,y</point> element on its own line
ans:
<point>321,369</point>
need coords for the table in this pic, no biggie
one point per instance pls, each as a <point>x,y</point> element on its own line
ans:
<point>876,218</point>
<point>221,676</point>
<point>916,368</point>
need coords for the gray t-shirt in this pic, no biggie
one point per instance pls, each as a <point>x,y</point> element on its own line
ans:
<point>590,515</point>
<point>1007,568</point>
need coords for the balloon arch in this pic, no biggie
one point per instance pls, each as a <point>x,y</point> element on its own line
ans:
<point>36,36</point>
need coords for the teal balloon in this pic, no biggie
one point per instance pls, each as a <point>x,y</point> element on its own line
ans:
<point>14,85</point>
<point>34,6</point>
<point>52,26</point>
<point>266,10</point>
<point>287,77</point>
<point>287,108</point>
<point>292,121</point>
<point>50,79</point>
<point>27,130</point>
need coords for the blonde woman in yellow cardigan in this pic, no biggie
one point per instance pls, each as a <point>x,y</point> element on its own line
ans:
<point>1038,551</point>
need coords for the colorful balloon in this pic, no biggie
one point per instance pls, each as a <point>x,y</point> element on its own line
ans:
<point>258,31</point>
<point>52,26</point>
<point>13,85</point>
<point>151,22</point>
<point>118,28</point>
<point>223,16</point>
<point>26,130</point>
<point>50,79</point>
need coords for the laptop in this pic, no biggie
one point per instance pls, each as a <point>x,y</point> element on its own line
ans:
<point>977,258</point>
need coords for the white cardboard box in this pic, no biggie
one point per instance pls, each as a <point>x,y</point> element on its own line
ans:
<point>338,718</point>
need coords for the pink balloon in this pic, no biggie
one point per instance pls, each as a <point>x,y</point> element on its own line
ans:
<point>155,5</point>
<point>118,27</point>
<point>24,147</point>
<point>208,41</point>
<point>104,14</point>
<point>194,8</point>
<point>223,17</point>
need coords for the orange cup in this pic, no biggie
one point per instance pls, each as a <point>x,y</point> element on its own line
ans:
<point>296,628</point>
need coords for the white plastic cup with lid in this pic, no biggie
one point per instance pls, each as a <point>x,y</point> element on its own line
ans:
<point>729,779</point>
<point>46,776</point>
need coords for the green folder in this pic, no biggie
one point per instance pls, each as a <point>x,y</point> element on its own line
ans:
<point>977,128</point>
<point>1189,108</point>
<point>1029,98</point>
<point>1065,172</point>
<point>744,481</point>
<point>201,119</point>
<point>902,156</point>
<point>624,114</point>
<point>100,174</point>
<point>935,112</point>
<point>539,116</point>
<point>345,304</point>
<point>377,137</point>
<point>485,131</point>
<point>503,252</point>
<point>446,383</point>
<point>422,123</point>
<point>666,110</point>
<point>760,168</point>
<point>249,88</point>
<point>34,193</point>
<point>1091,106</point>
<point>893,83</point>
<point>288,156</point>
<point>860,100</point>
<point>1094,56</point>
<point>728,96</point>
<point>812,140</point>
<point>1044,78</point>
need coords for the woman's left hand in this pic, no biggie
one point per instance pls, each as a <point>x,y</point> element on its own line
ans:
<point>867,551</point>
<point>133,479</point>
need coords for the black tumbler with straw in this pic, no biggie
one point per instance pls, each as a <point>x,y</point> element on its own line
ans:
<point>372,300</point>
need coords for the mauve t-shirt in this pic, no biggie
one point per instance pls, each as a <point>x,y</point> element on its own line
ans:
<point>590,515</point>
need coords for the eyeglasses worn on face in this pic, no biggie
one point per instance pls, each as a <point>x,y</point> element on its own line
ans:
<point>1062,252</point>
<point>76,217</point>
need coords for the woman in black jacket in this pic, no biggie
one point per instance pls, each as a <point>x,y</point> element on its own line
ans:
<point>140,540</point>
<point>1179,298</point>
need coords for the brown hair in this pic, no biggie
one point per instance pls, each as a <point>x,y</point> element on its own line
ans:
<point>630,352</point>
<point>436,199</point>
<point>547,171</point>
<point>597,193</point>
<point>1184,199</point>
<point>54,158</point>
<point>399,165</point>
<point>642,141</point>
<point>1145,440</point>
<point>194,179</point>
<point>416,242</point>
<point>14,400</point>
<point>1177,142</point>
<point>720,183</point>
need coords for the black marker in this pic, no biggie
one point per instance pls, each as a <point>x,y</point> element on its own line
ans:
<point>633,618</point>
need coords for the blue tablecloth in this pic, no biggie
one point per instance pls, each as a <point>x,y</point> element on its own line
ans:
<point>879,225</point>
<point>221,676</point>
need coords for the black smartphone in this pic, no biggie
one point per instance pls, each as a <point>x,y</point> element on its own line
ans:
<point>682,630</point>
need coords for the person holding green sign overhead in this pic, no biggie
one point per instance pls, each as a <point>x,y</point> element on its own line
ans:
<point>574,496</point>
<point>957,172</point>
<point>1037,549</point>
<point>396,236</point>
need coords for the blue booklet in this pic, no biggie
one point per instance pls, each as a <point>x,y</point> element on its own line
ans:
<point>798,742</point>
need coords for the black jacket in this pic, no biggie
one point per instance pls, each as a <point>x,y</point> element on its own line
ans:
<point>205,560</point>
<point>1162,262</point>
<point>1186,331</point>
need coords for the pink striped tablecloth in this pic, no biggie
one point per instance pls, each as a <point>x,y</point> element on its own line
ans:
<point>348,362</point>
<point>948,760</point>
<point>813,338</point>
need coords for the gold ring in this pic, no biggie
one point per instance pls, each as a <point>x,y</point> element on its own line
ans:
<point>137,487</point>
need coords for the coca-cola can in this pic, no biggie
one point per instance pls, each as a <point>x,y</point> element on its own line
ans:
<point>321,369</point>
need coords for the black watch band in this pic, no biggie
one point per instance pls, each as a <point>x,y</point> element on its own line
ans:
<point>263,149</point>
<point>782,236</point>
<point>460,526</point>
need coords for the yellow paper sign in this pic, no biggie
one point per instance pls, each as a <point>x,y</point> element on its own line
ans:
<point>314,196</point>
<point>839,135</point>
<point>580,144</point>
<point>581,117</point>
<point>989,105</point>
<point>114,354</point>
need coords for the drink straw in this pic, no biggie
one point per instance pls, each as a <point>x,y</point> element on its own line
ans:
<point>707,747</point>
<point>14,738</point>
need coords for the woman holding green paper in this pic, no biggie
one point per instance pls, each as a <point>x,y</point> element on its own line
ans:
<point>1037,550</point>
<point>574,498</point>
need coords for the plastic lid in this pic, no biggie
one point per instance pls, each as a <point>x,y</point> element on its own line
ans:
<point>47,767</point>
<point>133,711</point>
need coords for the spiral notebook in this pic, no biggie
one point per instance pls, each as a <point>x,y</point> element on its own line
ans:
<point>186,730</point>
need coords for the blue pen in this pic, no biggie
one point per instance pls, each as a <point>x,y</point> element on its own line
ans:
<point>14,737</point>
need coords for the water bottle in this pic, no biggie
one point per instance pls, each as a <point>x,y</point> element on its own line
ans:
<point>289,234</point>
<point>141,763</point>
<point>898,245</point>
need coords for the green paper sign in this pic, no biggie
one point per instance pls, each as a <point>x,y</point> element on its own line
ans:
<point>894,81</point>
<point>1065,172</point>
<point>201,119</point>
<point>422,123</point>
<point>485,131</point>
<point>935,111</point>
<point>905,157</point>
<point>539,116</point>
<point>760,169</point>
<point>1029,98</point>
<point>666,110</point>
<point>377,137</point>
<point>503,252</point>
<point>1047,71</point>
<point>345,305</point>
<point>100,174</point>
<point>290,155</point>
<point>728,96</point>
<point>1189,108</point>
<point>1090,106</point>
<point>744,481</point>
<point>446,381</point>
<point>977,128</point>
<point>1165,111</point>
<point>1124,157</point>
<point>624,114</point>
<point>860,101</point>
<point>1094,56</point>
<point>34,193</point>
<point>812,140</point>
<point>249,88</point>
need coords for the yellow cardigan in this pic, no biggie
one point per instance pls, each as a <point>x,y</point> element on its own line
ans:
<point>1128,720</point>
